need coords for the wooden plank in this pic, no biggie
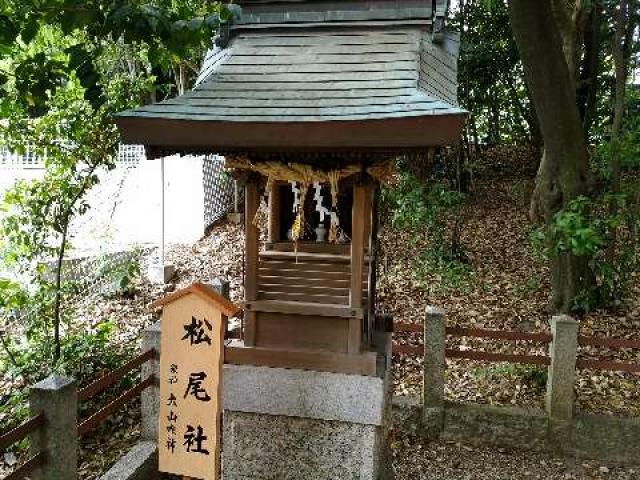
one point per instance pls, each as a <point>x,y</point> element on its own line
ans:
<point>498,357</point>
<point>105,412</point>
<point>355,336</point>
<point>21,431</point>
<point>250,328</point>
<point>212,100</point>
<point>274,213</point>
<point>319,59</point>
<point>308,288</point>
<point>259,40</point>
<point>304,297</point>
<point>302,332</point>
<point>225,84</point>
<point>251,259</point>
<point>499,334</point>
<point>305,282</point>
<point>301,257</point>
<point>608,342</point>
<point>348,76</point>
<point>304,308</point>
<point>371,24</point>
<point>310,247</point>
<point>359,364</point>
<point>318,68</point>
<point>360,210</point>
<point>28,467</point>
<point>188,113</point>
<point>398,46</point>
<point>301,275</point>
<point>226,91</point>
<point>251,242</point>
<point>113,377</point>
<point>190,376</point>
<point>373,267</point>
<point>331,12</point>
<point>198,106</point>
<point>270,275</point>
<point>607,365</point>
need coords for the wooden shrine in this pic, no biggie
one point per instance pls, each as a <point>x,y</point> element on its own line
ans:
<point>312,103</point>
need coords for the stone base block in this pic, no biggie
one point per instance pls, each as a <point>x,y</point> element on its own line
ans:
<point>140,463</point>
<point>289,424</point>
<point>291,448</point>
<point>161,275</point>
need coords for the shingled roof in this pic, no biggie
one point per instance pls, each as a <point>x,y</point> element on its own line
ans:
<point>360,81</point>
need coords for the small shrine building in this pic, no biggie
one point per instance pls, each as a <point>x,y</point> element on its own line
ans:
<point>312,102</point>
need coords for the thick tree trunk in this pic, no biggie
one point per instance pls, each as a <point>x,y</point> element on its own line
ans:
<point>564,170</point>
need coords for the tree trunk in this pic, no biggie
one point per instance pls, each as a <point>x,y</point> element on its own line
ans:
<point>588,89</point>
<point>57,314</point>
<point>564,170</point>
<point>620,16</point>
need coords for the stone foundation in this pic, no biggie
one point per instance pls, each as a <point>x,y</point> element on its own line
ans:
<point>289,424</point>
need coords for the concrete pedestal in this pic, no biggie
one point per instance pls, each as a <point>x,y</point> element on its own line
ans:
<point>289,424</point>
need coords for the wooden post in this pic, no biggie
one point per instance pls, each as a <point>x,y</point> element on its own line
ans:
<point>274,213</point>
<point>373,266</point>
<point>252,247</point>
<point>359,224</point>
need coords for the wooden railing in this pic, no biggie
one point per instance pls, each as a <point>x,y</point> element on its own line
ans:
<point>20,433</point>
<point>108,380</point>
<point>478,333</point>
<point>607,364</point>
<point>540,338</point>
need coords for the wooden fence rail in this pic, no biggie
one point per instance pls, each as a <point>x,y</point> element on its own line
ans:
<point>21,431</point>
<point>498,357</point>
<point>105,412</point>
<point>28,467</point>
<point>52,414</point>
<point>539,337</point>
<point>108,380</point>
<point>113,377</point>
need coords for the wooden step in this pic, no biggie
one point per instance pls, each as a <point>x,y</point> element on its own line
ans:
<point>304,308</point>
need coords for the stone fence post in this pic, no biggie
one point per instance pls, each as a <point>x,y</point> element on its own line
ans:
<point>57,399</point>
<point>434,372</point>
<point>150,397</point>
<point>560,398</point>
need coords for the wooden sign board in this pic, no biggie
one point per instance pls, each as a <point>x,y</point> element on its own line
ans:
<point>191,358</point>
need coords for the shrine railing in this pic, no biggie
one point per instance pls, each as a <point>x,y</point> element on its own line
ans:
<point>566,354</point>
<point>54,404</point>
<point>539,338</point>
<point>107,381</point>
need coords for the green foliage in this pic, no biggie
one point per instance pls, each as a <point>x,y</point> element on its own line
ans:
<point>491,77</point>
<point>604,230</point>
<point>528,288</point>
<point>430,210</point>
<point>171,31</point>
<point>120,274</point>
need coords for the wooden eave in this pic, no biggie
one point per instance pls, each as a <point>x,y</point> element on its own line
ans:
<point>206,293</point>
